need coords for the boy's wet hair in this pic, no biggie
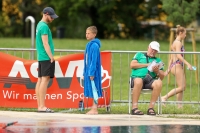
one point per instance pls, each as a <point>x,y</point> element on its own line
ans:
<point>93,29</point>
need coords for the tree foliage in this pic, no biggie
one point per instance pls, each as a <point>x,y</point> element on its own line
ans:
<point>14,13</point>
<point>74,16</point>
<point>113,18</point>
<point>181,12</point>
<point>11,17</point>
<point>119,17</point>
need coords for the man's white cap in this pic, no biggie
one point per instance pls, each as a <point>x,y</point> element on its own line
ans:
<point>155,45</point>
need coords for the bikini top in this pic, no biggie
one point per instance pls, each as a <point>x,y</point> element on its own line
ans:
<point>182,49</point>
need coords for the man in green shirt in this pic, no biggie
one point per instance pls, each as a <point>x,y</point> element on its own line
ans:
<point>45,52</point>
<point>140,80</point>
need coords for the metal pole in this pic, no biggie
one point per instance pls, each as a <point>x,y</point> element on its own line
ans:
<point>32,34</point>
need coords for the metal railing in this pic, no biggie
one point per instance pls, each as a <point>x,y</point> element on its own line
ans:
<point>121,71</point>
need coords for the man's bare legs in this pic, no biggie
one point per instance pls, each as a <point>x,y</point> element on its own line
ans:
<point>178,72</point>
<point>37,90</point>
<point>93,110</point>
<point>138,83</point>
<point>41,89</point>
<point>157,87</point>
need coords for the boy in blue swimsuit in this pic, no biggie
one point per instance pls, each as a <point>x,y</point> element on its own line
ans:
<point>92,67</point>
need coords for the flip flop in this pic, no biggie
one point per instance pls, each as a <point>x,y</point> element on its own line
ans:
<point>136,111</point>
<point>151,111</point>
<point>48,110</point>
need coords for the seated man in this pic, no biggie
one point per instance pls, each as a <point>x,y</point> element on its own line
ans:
<point>139,80</point>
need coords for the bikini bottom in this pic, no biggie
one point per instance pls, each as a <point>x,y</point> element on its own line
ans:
<point>176,62</point>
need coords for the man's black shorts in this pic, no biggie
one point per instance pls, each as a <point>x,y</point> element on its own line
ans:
<point>145,86</point>
<point>46,68</point>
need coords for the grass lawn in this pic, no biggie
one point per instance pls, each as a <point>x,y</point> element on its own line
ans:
<point>121,70</point>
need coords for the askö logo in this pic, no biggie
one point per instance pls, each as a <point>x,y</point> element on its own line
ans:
<point>63,80</point>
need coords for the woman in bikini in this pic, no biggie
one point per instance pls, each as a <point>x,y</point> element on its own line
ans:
<point>177,62</point>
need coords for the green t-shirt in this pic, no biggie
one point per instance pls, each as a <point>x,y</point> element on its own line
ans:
<point>43,29</point>
<point>141,72</point>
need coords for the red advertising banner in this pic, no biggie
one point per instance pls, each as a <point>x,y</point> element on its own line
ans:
<point>18,79</point>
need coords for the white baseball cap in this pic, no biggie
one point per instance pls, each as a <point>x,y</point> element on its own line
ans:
<point>155,45</point>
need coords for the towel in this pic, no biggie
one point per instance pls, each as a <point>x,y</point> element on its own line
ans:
<point>94,91</point>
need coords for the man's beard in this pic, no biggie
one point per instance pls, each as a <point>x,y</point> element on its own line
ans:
<point>152,55</point>
<point>49,20</point>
